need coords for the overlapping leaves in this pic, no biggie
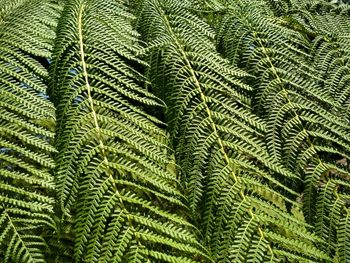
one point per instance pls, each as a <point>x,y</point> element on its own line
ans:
<point>230,177</point>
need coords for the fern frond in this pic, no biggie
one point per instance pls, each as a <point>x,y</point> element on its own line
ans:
<point>113,174</point>
<point>307,123</point>
<point>224,161</point>
<point>27,119</point>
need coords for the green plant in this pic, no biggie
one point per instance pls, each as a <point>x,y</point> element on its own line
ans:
<point>27,120</point>
<point>174,131</point>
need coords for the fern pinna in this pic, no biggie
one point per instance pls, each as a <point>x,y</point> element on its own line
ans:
<point>115,177</point>
<point>302,97</point>
<point>230,178</point>
<point>27,120</point>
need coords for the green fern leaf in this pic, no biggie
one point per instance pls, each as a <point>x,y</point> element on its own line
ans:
<point>112,167</point>
<point>224,162</point>
<point>26,120</point>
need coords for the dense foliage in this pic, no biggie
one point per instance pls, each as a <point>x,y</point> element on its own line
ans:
<point>174,131</point>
